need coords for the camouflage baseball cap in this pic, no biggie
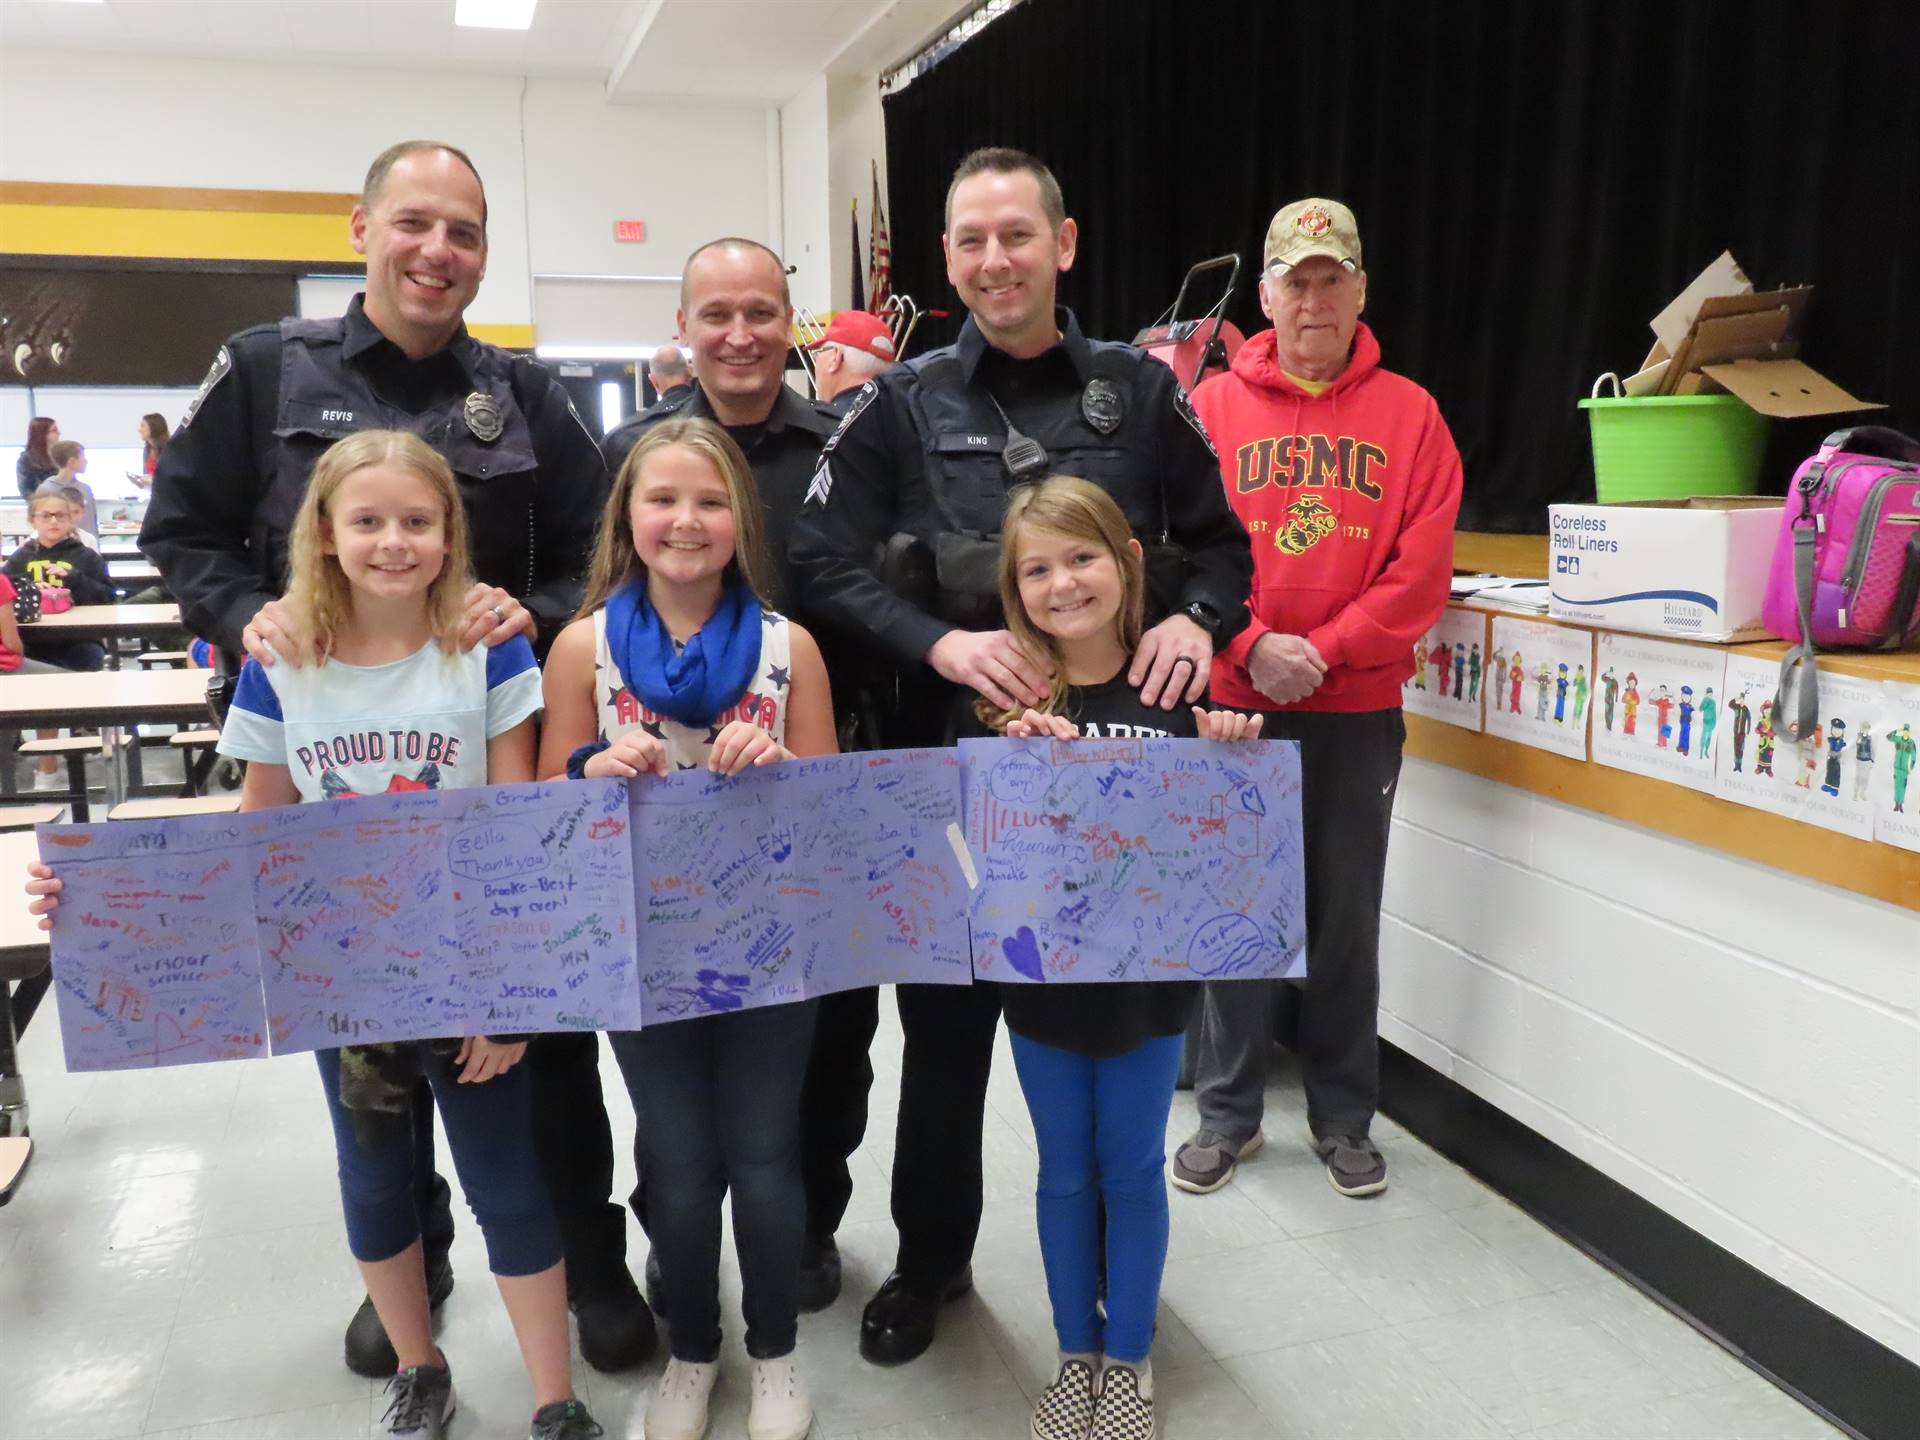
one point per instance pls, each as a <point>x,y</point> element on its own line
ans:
<point>1312,227</point>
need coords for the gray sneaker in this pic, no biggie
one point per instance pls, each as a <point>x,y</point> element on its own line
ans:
<point>1207,1161</point>
<point>1355,1165</point>
<point>422,1403</point>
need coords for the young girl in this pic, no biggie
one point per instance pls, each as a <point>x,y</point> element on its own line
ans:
<point>675,664</point>
<point>1096,1062</point>
<point>379,563</point>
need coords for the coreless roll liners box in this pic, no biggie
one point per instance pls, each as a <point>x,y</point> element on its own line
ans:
<point>1694,569</point>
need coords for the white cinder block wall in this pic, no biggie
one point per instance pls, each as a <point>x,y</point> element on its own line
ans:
<point>1738,1046</point>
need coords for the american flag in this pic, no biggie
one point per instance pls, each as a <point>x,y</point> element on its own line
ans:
<point>879,252</point>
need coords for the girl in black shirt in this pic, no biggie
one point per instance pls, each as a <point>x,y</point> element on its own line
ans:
<point>1096,1061</point>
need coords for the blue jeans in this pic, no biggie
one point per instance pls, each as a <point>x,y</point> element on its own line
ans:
<point>716,1105</point>
<point>1101,1126</point>
<point>489,1130</point>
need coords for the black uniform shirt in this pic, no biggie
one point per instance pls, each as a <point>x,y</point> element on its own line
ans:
<point>222,460</point>
<point>1156,462</point>
<point>783,450</point>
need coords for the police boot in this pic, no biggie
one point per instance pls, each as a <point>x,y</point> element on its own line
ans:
<point>369,1352</point>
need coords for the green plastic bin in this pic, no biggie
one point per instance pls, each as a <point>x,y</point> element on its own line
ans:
<point>1670,447</point>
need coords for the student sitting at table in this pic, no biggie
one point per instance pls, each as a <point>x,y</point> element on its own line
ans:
<point>70,463</point>
<point>56,560</point>
<point>14,661</point>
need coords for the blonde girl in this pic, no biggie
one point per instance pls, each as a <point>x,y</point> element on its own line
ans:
<point>676,663</point>
<point>1096,1062</point>
<point>378,570</point>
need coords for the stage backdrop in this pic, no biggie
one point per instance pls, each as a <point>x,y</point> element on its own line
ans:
<point>1533,183</point>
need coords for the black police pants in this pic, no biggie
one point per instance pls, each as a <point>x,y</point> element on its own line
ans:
<point>575,1145</point>
<point>833,1105</point>
<point>432,1200</point>
<point>1350,768</point>
<point>937,1182</point>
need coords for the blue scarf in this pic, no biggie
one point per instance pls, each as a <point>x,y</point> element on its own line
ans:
<point>700,681</point>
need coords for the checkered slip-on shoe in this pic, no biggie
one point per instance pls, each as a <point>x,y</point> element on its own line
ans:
<point>1123,1412</point>
<point>1065,1408</point>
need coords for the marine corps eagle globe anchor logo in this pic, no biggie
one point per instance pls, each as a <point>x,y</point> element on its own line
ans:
<point>1309,520</point>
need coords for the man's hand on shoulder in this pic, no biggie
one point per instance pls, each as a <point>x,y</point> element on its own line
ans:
<point>992,663</point>
<point>272,635</point>
<point>1285,668</point>
<point>493,616</point>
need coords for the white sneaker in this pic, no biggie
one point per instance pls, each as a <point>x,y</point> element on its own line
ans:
<point>780,1409</point>
<point>678,1409</point>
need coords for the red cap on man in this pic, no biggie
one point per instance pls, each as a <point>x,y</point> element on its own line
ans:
<point>859,330</point>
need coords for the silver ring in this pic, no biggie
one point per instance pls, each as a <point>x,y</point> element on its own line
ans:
<point>499,614</point>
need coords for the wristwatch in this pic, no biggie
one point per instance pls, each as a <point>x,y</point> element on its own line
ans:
<point>1205,616</point>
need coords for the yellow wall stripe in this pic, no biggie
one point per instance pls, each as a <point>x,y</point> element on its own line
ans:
<point>177,197</point>
<point>513,337</point>
<point>172,234</point>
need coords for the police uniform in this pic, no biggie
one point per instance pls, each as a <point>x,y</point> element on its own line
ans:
<point>225,493</point>
<point>923,453</point>
<point>783,451</point>
<point>229,483</point>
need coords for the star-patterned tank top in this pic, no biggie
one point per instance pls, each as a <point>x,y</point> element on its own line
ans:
<point>764,704</point>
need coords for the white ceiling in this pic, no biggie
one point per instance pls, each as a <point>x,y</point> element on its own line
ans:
<point>752,51</point>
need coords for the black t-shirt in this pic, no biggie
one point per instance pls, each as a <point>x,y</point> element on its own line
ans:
<point>1102,1020</point>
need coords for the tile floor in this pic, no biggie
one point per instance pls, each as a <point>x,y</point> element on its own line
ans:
<point>175,1266</point>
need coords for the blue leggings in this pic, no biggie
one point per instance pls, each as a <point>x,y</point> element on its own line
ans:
<point>489,1130</point>
<point>1101,1126</point>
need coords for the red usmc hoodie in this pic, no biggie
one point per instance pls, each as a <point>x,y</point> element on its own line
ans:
<point>1350,498</point>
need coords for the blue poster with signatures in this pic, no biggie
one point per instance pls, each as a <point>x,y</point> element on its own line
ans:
<point>799,879</point>
<point>1104,860</point>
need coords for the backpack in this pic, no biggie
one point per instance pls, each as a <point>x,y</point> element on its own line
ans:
<point>1846,564</point>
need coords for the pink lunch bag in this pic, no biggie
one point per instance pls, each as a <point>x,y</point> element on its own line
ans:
<point>55,599</point>
<point>1846,564</point>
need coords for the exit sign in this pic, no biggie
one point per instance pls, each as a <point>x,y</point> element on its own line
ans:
<point>630,230</point>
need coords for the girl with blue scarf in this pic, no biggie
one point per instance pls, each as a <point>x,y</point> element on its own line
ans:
<point>675,663</point>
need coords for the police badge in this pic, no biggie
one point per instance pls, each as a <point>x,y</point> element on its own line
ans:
<point>1100,402</point>
<point>483,418</point>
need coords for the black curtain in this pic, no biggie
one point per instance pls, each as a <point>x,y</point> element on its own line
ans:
<point>1533,179</point>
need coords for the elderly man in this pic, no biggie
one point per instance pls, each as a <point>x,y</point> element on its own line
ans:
<point>856,347</point>
<point>927,457</point>
<point>225,493</point>
<point>669,371</point>
<point>1348,480</point>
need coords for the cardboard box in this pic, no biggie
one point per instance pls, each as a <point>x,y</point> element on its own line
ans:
<point>1693,569</point>
<point>1718,336</point>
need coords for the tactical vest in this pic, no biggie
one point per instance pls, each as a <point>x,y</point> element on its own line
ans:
<point>963,436</point>
<point>324,399</point>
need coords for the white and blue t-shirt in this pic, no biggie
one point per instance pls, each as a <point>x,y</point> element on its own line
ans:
<point>421,723</point>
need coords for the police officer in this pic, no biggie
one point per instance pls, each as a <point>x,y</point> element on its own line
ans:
<point>928,453</point>
<point>736,317</point>
<point>225,493</point>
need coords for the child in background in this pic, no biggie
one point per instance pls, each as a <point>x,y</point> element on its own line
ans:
<point>674,664</point>
<point>70,462</point>
<point>378,570</point>
<point>1096,1062</point>
<point>55,560</point>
